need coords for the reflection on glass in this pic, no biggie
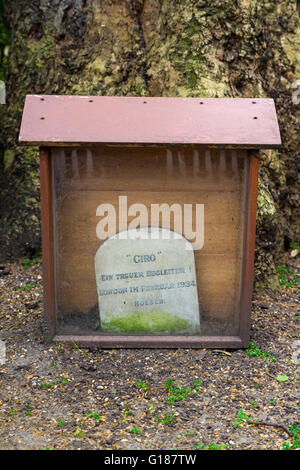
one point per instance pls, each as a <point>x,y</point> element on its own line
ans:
<point>93,186</point>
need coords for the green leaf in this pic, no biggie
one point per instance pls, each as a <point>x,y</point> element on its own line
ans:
<point>282,378</point>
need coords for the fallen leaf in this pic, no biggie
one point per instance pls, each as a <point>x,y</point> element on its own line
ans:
<point>282,378</point>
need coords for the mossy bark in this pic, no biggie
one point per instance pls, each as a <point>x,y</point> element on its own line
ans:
<point>208,48</point>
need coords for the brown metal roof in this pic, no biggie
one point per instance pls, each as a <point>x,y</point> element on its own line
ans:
<point>94,120</point>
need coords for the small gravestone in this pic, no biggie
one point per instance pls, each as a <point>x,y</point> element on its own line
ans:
<point>146,283</point>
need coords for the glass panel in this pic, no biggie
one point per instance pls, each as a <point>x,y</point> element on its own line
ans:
<point>149,281</point>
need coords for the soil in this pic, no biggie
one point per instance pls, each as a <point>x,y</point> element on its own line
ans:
<point>56,396</point>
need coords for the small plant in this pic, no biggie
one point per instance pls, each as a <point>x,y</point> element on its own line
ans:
<point>286,277</point>
<point>295,439</point>
<point>253,350</point>
<point>27,408</point>
<point>197,384</point>
<point>211,446</point>
<point>64,380</point>
<point>152,407</point>
<point>76,347</point>
<point>176,393</point>
<point>127,411</point>
<point>135,430</point>
<point>240,419</point>
<point>254,404</point>
<point>169,384</point>
<point>79,432</point>
<point>60,422</point>
<point>48,384</point>
<point>168,419</point>
<point>26,287</point>
<point>142,385</point>
<point>93,414</point>
<point>35,259</point>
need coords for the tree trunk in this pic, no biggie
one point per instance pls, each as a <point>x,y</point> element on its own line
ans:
<point>209,48</point>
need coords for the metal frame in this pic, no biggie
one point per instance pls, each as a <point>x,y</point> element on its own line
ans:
<point>139,341</point>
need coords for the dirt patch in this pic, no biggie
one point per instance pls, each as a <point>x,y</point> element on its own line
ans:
<point>64,397</point>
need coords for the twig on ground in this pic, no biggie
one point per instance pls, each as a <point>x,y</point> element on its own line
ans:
<point>267,423</point>
<point>223,352</point>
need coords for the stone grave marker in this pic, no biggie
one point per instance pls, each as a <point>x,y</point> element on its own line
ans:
<point>146,283</point>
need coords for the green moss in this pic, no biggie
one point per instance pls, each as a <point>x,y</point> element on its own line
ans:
<point>40,52</point>
<point>276,167</point>
<point>8,159</point>
<point>153,321</point>
<point>291,46</point>
<point>265,203</point>
<point>193,26</point>
<point>20,191</point>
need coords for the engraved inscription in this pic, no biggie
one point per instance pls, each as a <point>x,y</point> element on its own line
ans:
<point>160,297</point>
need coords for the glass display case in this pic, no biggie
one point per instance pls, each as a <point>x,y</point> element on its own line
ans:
<point>148,228</point>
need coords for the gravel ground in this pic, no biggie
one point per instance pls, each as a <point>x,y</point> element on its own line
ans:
<point>54,396</point>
